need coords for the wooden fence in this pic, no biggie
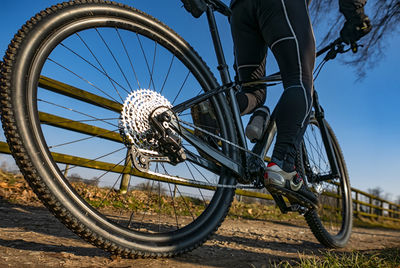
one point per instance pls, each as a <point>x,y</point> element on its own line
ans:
<point>364,204</point>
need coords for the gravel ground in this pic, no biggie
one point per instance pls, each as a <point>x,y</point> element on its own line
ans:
<point>31,236</point>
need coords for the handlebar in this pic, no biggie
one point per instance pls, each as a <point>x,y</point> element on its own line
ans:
<point>337,46</point>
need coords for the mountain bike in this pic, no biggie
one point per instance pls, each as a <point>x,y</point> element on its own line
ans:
<point>96,105</point>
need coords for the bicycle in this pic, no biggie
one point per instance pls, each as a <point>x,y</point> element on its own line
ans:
<point>54,128</point>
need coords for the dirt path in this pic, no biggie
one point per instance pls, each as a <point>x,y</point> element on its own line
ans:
<point>31,236</point>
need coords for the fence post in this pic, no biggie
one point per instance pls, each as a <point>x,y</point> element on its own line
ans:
<point>66,170</point>
<point>357,204</point>
<point>390,212</point>
<point>370,205</point>
<point>125,180</point>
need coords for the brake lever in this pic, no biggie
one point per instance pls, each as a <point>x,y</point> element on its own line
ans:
<point>354,47</point>
<point>337,48</point>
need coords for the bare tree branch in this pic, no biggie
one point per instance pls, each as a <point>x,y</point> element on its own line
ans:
<point>385,19</point>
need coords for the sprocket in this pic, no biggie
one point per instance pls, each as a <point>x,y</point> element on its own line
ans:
<point>136,111</point>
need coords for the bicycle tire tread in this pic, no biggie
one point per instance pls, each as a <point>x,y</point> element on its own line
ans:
<point>312,218</point>
<point>19,151</point>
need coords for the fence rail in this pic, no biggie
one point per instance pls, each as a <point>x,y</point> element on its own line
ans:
<point>364,203</point>
<point>386,210</point>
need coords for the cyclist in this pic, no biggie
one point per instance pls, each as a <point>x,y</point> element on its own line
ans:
<point>284,27</point>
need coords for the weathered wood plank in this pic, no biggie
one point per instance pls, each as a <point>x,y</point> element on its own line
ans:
<point>79,94</point>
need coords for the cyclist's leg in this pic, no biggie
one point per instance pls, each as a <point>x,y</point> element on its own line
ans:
<point>250,51</point>
<point>287,29</point>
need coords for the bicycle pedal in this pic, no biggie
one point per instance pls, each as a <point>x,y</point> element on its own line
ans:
<point>297,208</point>
<point>292,196</point>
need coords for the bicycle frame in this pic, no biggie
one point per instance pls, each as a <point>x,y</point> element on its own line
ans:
<point>261,147</point>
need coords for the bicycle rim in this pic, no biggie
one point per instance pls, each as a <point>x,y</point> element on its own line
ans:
<point>70,87</point>
<point>332,222</point>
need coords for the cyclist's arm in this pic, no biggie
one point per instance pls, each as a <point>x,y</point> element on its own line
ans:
<point>357,23</point>
<point>352,8</point>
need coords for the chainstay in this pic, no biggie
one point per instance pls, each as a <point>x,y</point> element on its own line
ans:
<point>219,138</point>
<point>217,185</point>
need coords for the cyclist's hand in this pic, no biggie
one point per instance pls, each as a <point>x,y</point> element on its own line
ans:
<point>355,28</point>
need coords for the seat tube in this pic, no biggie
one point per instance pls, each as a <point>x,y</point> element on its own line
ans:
<point>224,73</point>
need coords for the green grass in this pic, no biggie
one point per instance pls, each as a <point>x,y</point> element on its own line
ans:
<point>373,223</point>
<point>15,189</point>
<point>383,258</point>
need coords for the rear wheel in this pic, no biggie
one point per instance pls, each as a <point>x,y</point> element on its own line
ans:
<point>332,222</point>
<point>66,76</point>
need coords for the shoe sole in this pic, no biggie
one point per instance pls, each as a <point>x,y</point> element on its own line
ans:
<point>291,195</point>
<point>253,131</point>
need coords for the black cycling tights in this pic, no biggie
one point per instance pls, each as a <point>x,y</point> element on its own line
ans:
<point>283,26</point>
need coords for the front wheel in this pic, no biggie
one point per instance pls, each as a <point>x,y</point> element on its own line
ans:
<point>67,75</point>
<point>331,223</point>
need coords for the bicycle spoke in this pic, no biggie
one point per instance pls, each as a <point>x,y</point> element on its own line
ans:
<point>201,194</point>
<point>159,206</point>
<point>103,71</point>
<point>129,58</point>
<point>147,63</point>
<point>83,79</point>
<point>319,146</point>
<point>72,110</point>
<point>204,177</point>
<point>167,75</point>
<point>152,67</point>
<point>180,89</point>
<point>97,158</point>
<point>315,149</point>
<point>79,140</point>
<point>115,59</point>
<point>184,201</point>
<point>116,181</point>
<point>149,192</point>
<point>86,120</point>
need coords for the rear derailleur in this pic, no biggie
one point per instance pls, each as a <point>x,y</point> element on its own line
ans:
<point>169,142</point>
<point>169,146</point>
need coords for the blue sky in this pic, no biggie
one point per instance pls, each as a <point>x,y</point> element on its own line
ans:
<point>363,114</point>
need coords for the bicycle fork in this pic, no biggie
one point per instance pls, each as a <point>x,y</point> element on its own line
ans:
<point>320,116</point>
